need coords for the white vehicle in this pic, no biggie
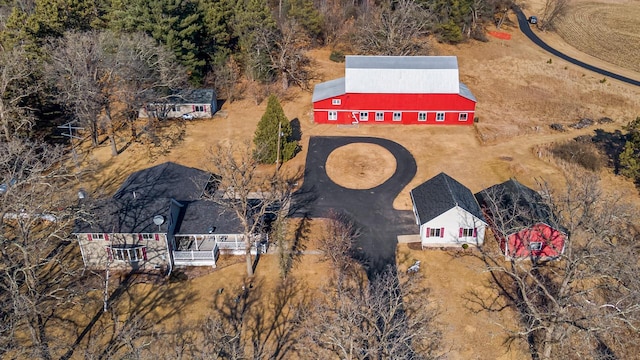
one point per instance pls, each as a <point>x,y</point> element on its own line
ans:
<point>187,116</point>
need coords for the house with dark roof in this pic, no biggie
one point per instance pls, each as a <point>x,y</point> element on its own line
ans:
<point>159,218</point>
<point>395,90</point>
<point>447,213</point>
<point>188,104</point>
<point>523,224</point>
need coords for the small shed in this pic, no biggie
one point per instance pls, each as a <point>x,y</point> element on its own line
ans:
<point>198,103</point>
<point>522,222</point>
<point>447,213</point>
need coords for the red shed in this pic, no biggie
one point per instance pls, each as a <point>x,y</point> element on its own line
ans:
<point>522,223</point>
<point>395,90</point>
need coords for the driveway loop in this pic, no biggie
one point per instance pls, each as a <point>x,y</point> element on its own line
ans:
<point>371,209</point>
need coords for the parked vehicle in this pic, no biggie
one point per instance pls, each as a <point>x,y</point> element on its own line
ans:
<point>187,116</point>
<point>533,20</point>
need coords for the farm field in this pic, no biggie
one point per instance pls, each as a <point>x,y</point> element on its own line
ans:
<point>607,30</point>
<point>520,93</point>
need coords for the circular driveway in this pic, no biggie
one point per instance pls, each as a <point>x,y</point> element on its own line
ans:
<point>371,209</point>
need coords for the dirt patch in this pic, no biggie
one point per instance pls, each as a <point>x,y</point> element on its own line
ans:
<point>360,166</point>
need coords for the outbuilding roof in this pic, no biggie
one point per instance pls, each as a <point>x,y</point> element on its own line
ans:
<point>440,194</point>
<point>466,93</point>
<point>518,206</point>
<point>195,96</point>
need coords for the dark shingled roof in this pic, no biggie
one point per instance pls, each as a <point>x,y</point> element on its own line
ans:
<point>440,194</point>
<point>149,192</point>
<point>208,217</point>
<point>523,206</point>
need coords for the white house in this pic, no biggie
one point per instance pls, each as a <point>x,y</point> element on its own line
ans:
<point>447,213</point>
<point>190,104</point>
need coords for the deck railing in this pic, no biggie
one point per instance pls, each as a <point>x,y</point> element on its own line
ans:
<point>196,258</point>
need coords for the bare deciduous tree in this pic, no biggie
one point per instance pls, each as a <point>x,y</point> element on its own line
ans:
<point>37,276</point>
<point>249,193</point>
<point>16,86</point>
<point>586,302</point>
<point>389,317</point>
<point>553,10</point>
<point>393,28</point>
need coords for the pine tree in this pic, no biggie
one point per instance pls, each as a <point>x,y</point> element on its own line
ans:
<point>266,137</point>
<point>630,157</point>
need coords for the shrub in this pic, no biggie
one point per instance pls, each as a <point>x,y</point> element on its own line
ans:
<point>581,153</point>
<point>337,56</point>
<point>465,246</point>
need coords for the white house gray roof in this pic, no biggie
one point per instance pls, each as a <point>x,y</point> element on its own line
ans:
<point>466,93</point>
<point>440,194</point>
<point>328,89</point>
<point>400,62</point>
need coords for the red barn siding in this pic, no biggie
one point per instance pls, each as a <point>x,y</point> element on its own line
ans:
<point>552,242</point>
<point>409,105</point>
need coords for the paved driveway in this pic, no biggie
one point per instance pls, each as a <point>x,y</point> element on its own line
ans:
<point>371,209</point>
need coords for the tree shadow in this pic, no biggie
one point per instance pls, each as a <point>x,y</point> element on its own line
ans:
<point>612,144</point>
<point>296,130</point>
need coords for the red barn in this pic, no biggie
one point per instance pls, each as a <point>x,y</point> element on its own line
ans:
<point>523,224</point>
<point>395,90</point>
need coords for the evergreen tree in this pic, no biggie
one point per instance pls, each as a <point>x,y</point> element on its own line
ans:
<point>630,156</point>
<point>266,137</point>
<point>304,12</point>
<point>250,20</point>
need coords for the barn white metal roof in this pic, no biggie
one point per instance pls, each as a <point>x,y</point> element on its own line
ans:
<point>401,62</point>
<point>402,74</point>
<point>328,89</point>
<point>396,75</point>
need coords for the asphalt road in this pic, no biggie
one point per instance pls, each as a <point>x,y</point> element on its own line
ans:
<point>526,30</point>
<point>371,210</point>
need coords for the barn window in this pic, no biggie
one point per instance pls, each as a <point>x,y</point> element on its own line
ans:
<point>336,101</point>
<point>462,117</point>
<point>364,116</point>
<point>397,116</point>
<point>535,246</point>
<point>198,108</point>
<point>440,116</point>
<point>333,115</point>
<point>422,116</point>
<point>435,232</point>
<point>379,116</point>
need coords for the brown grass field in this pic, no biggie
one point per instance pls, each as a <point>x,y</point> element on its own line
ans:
<point>519,94</point>
<point>607,30</point>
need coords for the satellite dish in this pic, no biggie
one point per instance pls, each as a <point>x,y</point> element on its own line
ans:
<point>158,220</point>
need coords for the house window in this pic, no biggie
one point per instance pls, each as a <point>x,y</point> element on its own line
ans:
<point>173,108</point>
<point>397,116</point>
<point>470,232</point>
<point>146,236</point>
<point>440,116</point>
<point>333,115</point>
<point>435,232</point>
<point>422,116</point>
<point>97,237</point>
<point>198,108</point>
<point>336,101</point>
<point>128,253</point>
<point>379,116</point>
<point>462,117</point>
<point>364,116</point>
<point>535,246</point>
